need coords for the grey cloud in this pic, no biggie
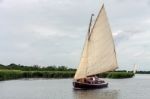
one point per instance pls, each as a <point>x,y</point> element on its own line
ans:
<point>49,32</point>
<point>124,35</point>
<point>148,2</point>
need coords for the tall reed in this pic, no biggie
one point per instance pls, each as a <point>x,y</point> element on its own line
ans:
<point>15,74</point>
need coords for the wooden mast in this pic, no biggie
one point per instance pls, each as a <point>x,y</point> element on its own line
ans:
<point>90,24</point>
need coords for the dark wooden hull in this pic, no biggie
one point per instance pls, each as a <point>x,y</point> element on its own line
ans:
<point>79,85</point>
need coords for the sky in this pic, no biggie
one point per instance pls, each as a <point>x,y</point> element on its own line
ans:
<point>52,32</point>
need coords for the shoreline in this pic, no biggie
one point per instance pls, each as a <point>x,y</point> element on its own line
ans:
<point>17,74</point>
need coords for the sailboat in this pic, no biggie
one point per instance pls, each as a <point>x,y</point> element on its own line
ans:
<point>98,55</point>
<point>135,69</point>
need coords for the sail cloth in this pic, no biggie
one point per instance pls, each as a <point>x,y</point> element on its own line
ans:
<point>81,71</point>
<point>99,51</point>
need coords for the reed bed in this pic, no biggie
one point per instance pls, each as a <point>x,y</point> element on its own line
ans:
<point>16,74</point>
<point>119,75</point>
<point>10,74</point>
<point>116,75</point>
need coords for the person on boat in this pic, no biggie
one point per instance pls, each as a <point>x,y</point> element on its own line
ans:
<point>80,80</point>
<point>90,80</point>
<point>93,78</point>
<point>87,80</point>
<point>96,80</point>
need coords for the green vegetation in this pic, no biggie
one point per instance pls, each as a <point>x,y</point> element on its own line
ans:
<point>15,74</point>
<point>143,72</point>
<point>116,75</point>
<point>14,71</point>
<point>35,68</point>
<point>119,75</point>
<point>7,74</point>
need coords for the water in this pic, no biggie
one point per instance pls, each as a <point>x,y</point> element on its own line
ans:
<point>133,88</point>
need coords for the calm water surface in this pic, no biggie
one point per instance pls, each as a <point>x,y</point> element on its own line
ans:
<point>134,88</point>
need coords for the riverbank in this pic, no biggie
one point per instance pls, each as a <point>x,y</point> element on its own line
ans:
<point>16,74</point>
<point>116,75</point>
<point>16,71</point>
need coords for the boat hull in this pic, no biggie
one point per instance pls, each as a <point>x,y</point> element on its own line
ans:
<point>79,85</point>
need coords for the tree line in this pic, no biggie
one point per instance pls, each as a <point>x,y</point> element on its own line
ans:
<point>14,66</point>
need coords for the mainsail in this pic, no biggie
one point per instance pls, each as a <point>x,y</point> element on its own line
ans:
<point>98,54</point>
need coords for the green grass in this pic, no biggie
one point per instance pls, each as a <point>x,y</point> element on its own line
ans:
<point>119,75</point>
<point>116,75</point>
<point>16,74</point>
<point>7,74</point>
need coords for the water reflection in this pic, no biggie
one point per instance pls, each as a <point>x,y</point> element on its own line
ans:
<point>95,94</point>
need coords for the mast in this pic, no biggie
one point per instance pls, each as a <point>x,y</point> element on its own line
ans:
<point>89,33</point>
<point>90,24</point>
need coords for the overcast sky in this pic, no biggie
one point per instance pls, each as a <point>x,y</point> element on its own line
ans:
<point>52,32</point>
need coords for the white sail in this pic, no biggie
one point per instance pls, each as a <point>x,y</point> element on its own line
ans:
<point>135,69</point>
<point>99,51</point>
<point>81,71</point>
